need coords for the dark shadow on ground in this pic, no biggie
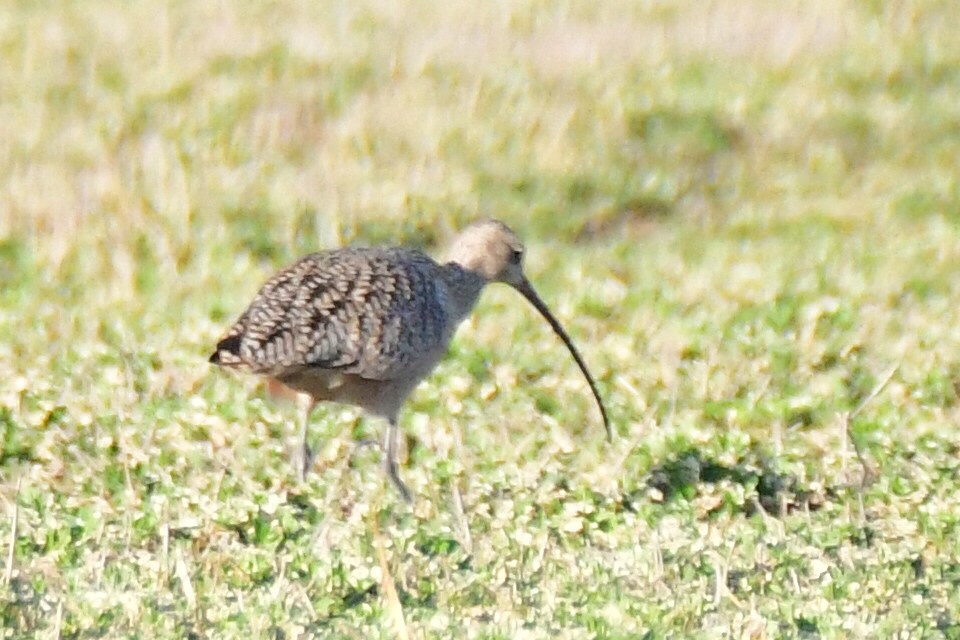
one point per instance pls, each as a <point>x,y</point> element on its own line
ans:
<point>776,493</point>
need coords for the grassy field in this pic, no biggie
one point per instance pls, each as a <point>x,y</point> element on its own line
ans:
<point>746,213</point>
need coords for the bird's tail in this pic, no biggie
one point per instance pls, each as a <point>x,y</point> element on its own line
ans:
<point>228,353</point>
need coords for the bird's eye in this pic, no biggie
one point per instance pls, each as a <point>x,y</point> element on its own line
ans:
<point>517,256</point>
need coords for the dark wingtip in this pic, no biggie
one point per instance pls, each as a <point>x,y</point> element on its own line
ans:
<point>227,352</point>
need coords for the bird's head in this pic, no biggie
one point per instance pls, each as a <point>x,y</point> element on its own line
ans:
<point>492,250</point>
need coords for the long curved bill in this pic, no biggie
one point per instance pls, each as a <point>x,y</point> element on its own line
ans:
<point>530,294</point>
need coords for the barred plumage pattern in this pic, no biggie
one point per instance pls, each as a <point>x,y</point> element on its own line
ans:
<point>361,311</point>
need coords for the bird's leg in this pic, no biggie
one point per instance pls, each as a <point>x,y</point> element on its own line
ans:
<point>391,441</point>
<point>305,406</point>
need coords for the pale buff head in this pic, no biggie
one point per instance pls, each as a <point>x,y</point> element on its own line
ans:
<point>490,249</point>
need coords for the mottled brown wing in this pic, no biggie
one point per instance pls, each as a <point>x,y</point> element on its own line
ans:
<point>368,312</point>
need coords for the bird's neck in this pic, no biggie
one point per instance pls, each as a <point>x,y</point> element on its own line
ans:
<point>463,288</point>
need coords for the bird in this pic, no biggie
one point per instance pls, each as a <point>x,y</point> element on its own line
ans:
<point>364,325</point>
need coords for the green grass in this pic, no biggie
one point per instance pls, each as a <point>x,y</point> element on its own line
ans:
<point>747,214</point>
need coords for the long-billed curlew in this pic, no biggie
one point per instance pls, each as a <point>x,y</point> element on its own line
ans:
<point>364,326</point>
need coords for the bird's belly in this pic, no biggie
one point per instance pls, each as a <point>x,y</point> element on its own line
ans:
<point>329,386</point>
<point>319,384</point>
<point>379,397</point>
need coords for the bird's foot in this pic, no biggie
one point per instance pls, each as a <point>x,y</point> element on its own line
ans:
<point>391,445</point>
<point>390,468</point>
<point>303,461</point>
